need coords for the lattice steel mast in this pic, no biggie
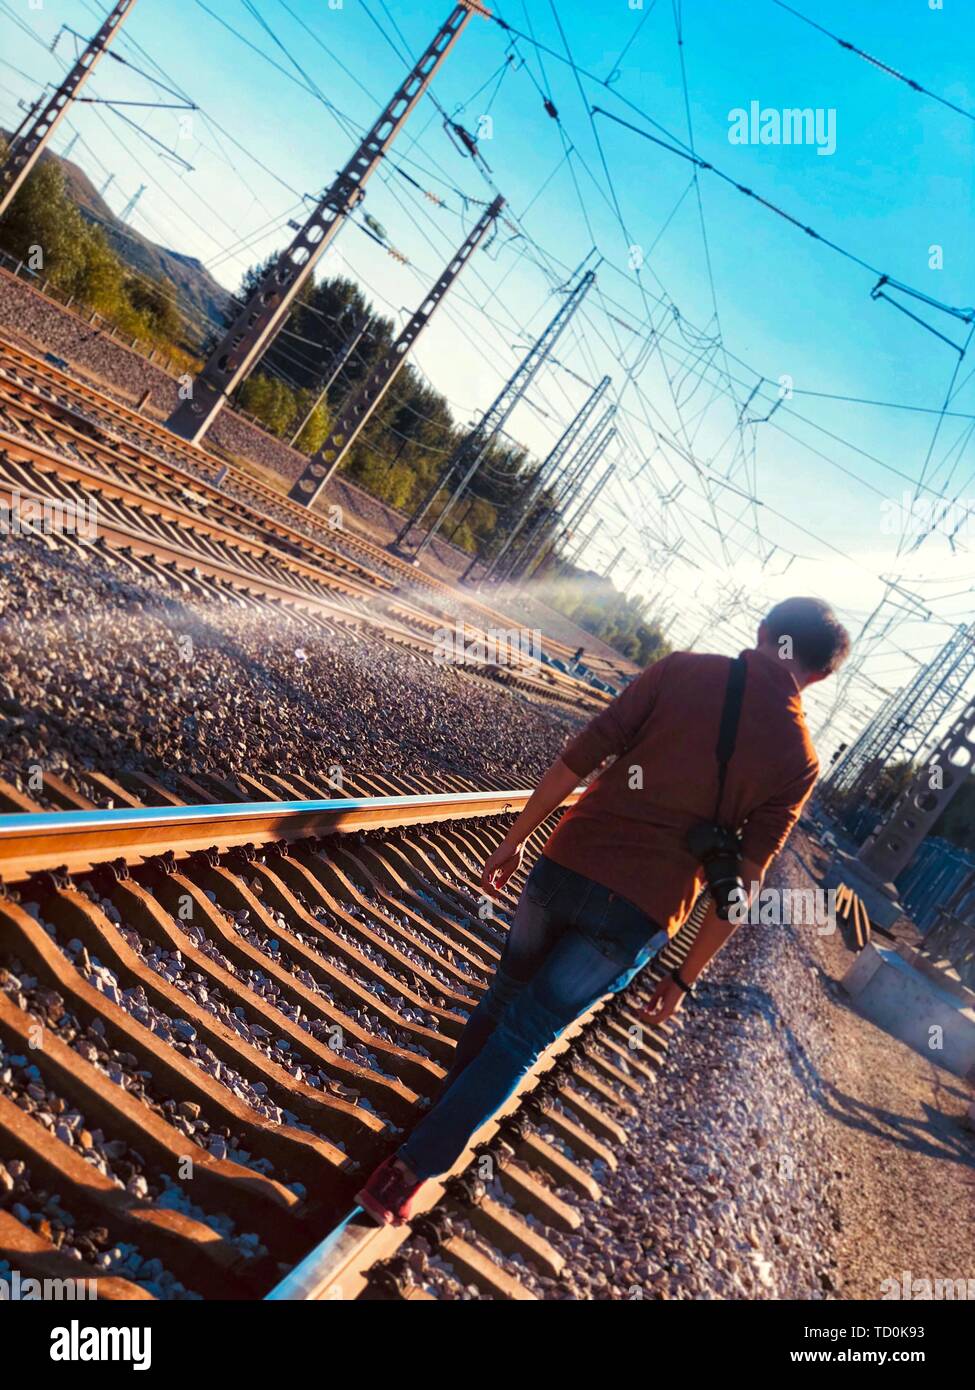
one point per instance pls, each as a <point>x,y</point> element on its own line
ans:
<point>534,561</point>
<point>548,470</point>
<point>26,148</point>
<point>363,401</point>
<point>905,721</point>
<point>470,453</point>
<point>568,488</point>
<point>267,306</point>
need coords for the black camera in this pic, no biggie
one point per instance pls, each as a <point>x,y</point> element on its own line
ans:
<point>719,850</point>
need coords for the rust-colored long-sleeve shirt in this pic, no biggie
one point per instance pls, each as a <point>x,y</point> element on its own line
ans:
<point>627,831</point>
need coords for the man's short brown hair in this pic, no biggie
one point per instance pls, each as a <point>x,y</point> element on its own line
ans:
<point>820,642</point>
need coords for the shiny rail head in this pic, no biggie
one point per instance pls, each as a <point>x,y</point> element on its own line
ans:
<point>75,841</point>
<point>59,822</point>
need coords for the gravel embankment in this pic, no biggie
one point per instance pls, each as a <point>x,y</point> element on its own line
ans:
<point>903,1140</point>
<point>103,671</point>
<point>726,1188</point>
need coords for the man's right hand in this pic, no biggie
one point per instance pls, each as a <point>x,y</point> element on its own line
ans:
<point>505,861</point>
<point>665,1001</point>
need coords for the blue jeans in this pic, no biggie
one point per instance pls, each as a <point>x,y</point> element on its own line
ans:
<point>571,942</point>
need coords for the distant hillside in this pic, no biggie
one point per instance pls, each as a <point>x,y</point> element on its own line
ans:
<point>201,297</point>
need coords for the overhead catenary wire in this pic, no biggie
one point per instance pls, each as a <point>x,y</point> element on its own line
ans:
<point>967,315</point>
<point>877,62</point>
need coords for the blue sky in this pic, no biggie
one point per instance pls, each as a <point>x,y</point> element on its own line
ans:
<point>814,477</point>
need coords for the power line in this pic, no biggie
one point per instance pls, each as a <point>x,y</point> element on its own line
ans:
<point>877,62</point>
<point>699,359</point>
<point>966,315</point>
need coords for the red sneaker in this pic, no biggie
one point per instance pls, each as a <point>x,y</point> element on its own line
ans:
<point>388,1194</point>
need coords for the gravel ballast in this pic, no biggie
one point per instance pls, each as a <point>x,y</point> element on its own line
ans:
<point>104,671</point>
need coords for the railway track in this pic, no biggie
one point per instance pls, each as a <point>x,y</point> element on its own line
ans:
<point>214,1018</point>
<point>55,428</point>
<point>168,540</point>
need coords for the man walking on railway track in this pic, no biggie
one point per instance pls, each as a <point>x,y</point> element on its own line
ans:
<point>712,763</point>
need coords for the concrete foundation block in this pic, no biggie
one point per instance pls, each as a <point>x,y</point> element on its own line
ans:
<point>914,1007</point>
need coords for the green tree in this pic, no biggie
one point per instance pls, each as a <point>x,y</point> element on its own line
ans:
<point>102,283</point>
<point>314,431</point>
<point>45,229</point>
<point>598,607</point>
<point>154,301</point>
<point>400,481</point>
<point>481,519</point>
<point>271,401</point>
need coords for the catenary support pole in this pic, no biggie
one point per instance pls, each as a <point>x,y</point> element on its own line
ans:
<point>26,147</point>
<point>262,315</point>
<point>354,414</point>
<point>470,454</point>
<point>547,471</point>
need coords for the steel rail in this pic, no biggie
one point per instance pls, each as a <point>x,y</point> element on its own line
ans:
<point>355,1257</point>
<point>112,481</point>
<point>413,626</point>
<point>337,1268</point>
<point>34,842</point>
<point>147,543</point>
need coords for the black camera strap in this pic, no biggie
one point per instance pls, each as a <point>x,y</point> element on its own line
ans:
<point>728,730</point>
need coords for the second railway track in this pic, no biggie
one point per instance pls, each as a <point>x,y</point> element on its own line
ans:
<point>215,1018</point>
<point>63,439</point>
<point>181,540</point>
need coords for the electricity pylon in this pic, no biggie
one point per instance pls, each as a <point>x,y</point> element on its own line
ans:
<point>263,314</point>
<point>25,149</point>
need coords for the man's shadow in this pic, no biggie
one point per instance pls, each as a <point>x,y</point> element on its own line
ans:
<point>936,1136</point>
